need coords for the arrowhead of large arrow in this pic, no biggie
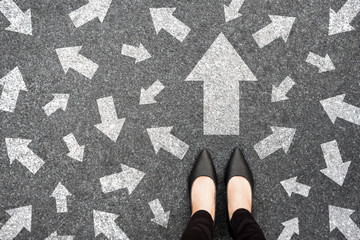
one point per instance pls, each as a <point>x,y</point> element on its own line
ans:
<point>101,8</point>
<point>337,173</point>
<point>62,100</point>
<point>68,56</point>
<point>111,129</point>
<point>22,216</point>
<point>16,147</point>
<point>160,17</point>
<point>103,221</point>
<point>60,191</point>
<point>22,23</point>
<point>332,106</point>
<point>283,25</point>
<point>338,216</point>
<point>284,136</point>
<point>157,135</point>
<point>293,225</point>
<point>13,81</point>
<point>231,13</point>
<point>337,23</point>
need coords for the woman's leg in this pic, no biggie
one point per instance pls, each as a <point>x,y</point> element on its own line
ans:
<point>200,227</point>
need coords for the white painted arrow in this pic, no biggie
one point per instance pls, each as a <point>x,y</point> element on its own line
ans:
<point>76,151</point>
<point>17,148</point>
<point>292,186</point>
<point>162,138</point>
<point>129,178</point>
<point>340,21</point>
<point>335,169</point>
<point>147,96</point>
<point>104,223</point>
<point>163,19</point>
<point>94,9</point>
<point>323,63</point>
<point>20,218</point>
<point>232,11</point>
<point>335,107</point>
<point>110,124</point>
<point>13,83</point>
<point>280,26</point>
<point>19,22</point>
<point>139,53</point>
<point>55,236</point>
<point>340,218</point>
<point>60,194</point>
<point>161,217</point>
<point>221,69</point>
<point>59,102</point>
<point>279,93</point>
<point>70,58</point>
<point>291,227</point>
<point>281,138</point>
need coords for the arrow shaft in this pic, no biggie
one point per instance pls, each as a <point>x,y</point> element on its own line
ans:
<point>61,205</point>
<point>266,35</point>
<point>11,229</point>
<point>8,100</point>
<point>84,66</point>
<point>267,146</point>
<point>155,88</point>
<point>287,84</point>
<point>236,4</point>
<point>115,182</point>
<point>51,107</point>
<point>315,60</point>
<point>301,189</point>
<point>107,109</point>
<point>130,51</point>
<point>30,160</point>
<point>156,207</point>
<point>71,142</point>
<point>83,15</point>
<point>176,28</point>
<point>332,154</point>
<point>349,10</point>
<point>174,146</point>
<point>349,113</point>
<point>10,10</point>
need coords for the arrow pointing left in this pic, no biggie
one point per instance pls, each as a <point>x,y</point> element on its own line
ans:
<point>161,217</point>
<point>17,148</point>
<point>104,223</point>
<point>59,102</point>
<point>292,186</point>
<point>20,218</point>
<point>60,194</point>
<point>13,83</point>
<point>75,150</point>
<point>70,58</point>
<point>19,22</point>
<point>55,236</point>
<point>340,218</point>
<point>290,228</point>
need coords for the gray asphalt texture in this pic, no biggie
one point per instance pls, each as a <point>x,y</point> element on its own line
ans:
<point>180,105</point>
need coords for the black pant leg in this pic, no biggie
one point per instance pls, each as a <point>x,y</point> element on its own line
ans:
<point>244,226</point>
<point>200,227</point>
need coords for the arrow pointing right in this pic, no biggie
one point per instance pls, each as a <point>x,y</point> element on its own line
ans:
<point>291,227</point>
<point>279,93</point>
<point>20,218</point>
<point>292,186</point>
<point>19,22</point>
<point>336,169</point>
<point>340,219</point>
<point>13,83</point>
<point>147,96</point>
<point>139,53</point>
<point>281,138</point>
<point>323,63</point>
<point>55,236</point>
<point>59,102</point>
<point>340,21</point>
<point>105,223</point>
<point>60,194</point>
<point>161,217</point>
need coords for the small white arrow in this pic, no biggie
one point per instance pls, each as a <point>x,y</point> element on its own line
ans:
<point>340,21</point>
<point>161,217</point>
<point>291,227</point>
<point>55,236</point>
<point>59,102</point>
<point>335,107</point>
<point>340,218</point>
<point>292,186</point>
<point>94,9</point>
<point>13,83</point>
<point>70,58</point>
<point>147,96</point>
<point>76,151</point>
<point>281,138</point>
<point>280,26</point>
<point>279,93</point>
<point>129,178</point>
<point>104,223</point>
<point>17,148</point>
<point>232,11</point>
<point>335,169</point>
<point>162,138</point>
<point>323,63</point>
<point>163,19</point>
<point>20,218</point>
<point>60,194</point>
<point>139,53</point>
<point>110,124</point>
<point>19,22</point>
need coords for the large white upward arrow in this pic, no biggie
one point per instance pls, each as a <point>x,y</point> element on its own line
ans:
<point>105,223</point>
<point>20,218</point>
<point>292,186</point>
<point>110,124</point>
<point>340,218</point>
<point>163,19</point>
<point>129,178</point>
<point>19,22</point>
<point>281,138</point>
<point>335,169</point>
<point>232,11</point>
<point>60,194</point>
<point>290,228</point>
<point>221,69</point>
<point>340,21</point>
<point>280,26</point>
<point>94,9</point>
<point>13,83</point>
<point>335,107</point>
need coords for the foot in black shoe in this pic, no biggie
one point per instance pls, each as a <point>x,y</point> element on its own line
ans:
<point>202,184</point>
<point>239,182</point>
